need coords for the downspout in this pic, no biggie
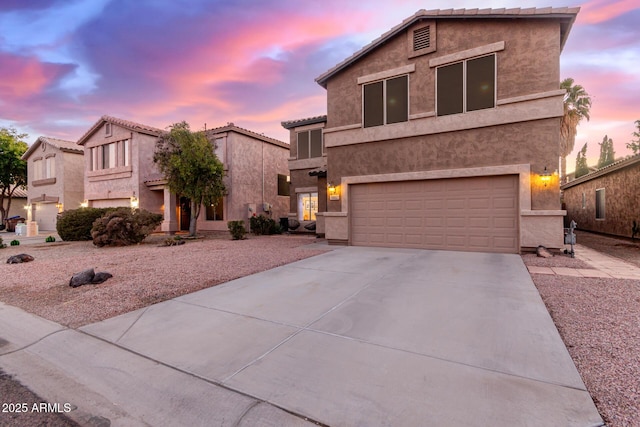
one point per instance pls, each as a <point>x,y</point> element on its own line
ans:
<point>263,175</point>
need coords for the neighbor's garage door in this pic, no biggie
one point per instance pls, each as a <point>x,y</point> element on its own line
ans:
<point>466,214</point>
<point>46,216</point>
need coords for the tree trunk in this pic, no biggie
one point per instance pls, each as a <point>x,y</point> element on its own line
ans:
<point>194,219</point>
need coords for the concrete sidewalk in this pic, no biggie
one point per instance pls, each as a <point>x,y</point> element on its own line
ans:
<point>604,266</point>
<point>356,336</point>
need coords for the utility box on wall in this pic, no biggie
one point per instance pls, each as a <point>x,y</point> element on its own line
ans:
<point>251,210</point>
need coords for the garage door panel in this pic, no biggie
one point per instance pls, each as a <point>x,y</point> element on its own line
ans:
<point>478,214</point>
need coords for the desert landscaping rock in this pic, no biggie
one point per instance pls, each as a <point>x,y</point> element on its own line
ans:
<point>543,252</point>
<point>100,277</point>
<point>17,259</point>
<point>83,278</point>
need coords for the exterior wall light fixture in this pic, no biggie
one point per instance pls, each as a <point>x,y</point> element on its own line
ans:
<point>59,206</point>
<point>84,204</point>
<point>545,177</point>
<point>134,202</point>
<point>333,192</point>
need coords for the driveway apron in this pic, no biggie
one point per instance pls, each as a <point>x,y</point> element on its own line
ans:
<point>366,336</point>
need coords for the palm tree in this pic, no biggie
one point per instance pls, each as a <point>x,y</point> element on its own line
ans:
<point>577,104</point>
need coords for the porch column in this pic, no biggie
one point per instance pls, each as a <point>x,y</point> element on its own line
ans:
<point>170,223</point>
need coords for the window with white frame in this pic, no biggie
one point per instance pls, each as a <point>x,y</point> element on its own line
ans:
<point>37,169</point>
<point>124,152</point>
<point>49,167</point>
<point>600,203</point>
<point>584,200</point>
<point>386,101</point>
<point>467,85</point>
<point>108,156</point>
<point>310,144</point>
<point>307,206</point>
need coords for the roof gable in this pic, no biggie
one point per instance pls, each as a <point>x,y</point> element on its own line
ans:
<point>566,15</point>
<point>230,127</point>
<point>61,144</point>
<point>132,126</point>
<point>613,167</point>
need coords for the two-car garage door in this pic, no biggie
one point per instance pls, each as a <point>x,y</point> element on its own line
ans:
<point>466,214</point>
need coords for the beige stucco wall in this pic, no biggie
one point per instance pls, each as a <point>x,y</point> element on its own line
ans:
<point>66,186</point>
<point>622,203</point>
<point>529,64</point>
<point>251,168</point>
<point>113,187</point>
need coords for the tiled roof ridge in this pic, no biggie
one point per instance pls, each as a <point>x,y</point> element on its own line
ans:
<point>62,143</point>
<point>288,123</point>
<point>230,126</point>
<point>122,122</point>
<point>618,164</point>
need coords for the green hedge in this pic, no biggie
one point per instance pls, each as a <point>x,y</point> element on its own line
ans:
<point>76,224</point>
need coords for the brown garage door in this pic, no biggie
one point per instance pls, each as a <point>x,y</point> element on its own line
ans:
<point>466,214</point>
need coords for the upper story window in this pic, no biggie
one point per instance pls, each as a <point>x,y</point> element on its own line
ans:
<point>283,185</point>
<point>386,101</point>
<point>112,155</point>
<point>310,144</point>
<point>49,167</point>
<point>37,169</point>
<point>467,85</point>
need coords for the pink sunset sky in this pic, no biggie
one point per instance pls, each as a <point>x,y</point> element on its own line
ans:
<point>65,63</point>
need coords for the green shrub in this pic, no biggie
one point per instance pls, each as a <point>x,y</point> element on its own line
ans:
<point>2,245</point>
<point>237,230</point>
<point>15,243</point>
<point>174,241</point>
<point>50,239</point>
<point>124,226</point>
<point>264,225</point>
<point>76,224</point>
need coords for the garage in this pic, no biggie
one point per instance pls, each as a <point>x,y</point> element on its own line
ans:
<point>46,214</point>
<point>465,214</point>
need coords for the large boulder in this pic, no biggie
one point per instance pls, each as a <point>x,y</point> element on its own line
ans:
<point>89,277</point>
<point>83,278</point>
<point>17,259</point>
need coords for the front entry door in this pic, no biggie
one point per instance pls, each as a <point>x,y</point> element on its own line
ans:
<point>185,213</point>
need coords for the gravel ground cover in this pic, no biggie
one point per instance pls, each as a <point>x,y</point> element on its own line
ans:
<point>142,274</point>
<point>599,321</point>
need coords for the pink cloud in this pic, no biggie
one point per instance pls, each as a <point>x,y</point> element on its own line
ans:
<point>21,77</point>
<point>597,11</point>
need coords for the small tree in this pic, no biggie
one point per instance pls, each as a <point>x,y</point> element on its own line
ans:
<point>634,145</point>
<point>192,169</point>
<point>581,162</point>
<point>606,152</point>
<point>13,170</point>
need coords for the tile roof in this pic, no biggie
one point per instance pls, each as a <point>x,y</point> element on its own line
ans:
<point>617,165</point>
<point>230,127</point>
<point>20,193</point>
<point>61,144</point>
<point>136,127</point>
<point>302,122</point>
<point>566,14</point>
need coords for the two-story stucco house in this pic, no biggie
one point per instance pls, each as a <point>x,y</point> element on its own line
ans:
<point>119,171</point>
<point>54,180</point>
<point>443,133</point>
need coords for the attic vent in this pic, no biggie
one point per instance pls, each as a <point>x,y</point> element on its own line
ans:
<point>422,38</point>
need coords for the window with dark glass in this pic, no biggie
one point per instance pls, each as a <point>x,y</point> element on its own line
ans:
<point>283,185</point>
<point>600,201</point>
<point>310,144</point>
<point>466,86</point>
<point>214,211</point>
<point>386,101</point>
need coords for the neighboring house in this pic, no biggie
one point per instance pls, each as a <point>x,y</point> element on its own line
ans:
<point>119,171</point>
<point>308,171</point>
<point>54,180</point>
<point>18,202</point>
<point>444,133</point>
<point>607,200</point>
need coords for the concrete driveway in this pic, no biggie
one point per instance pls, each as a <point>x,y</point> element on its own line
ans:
<point>356,336</point>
